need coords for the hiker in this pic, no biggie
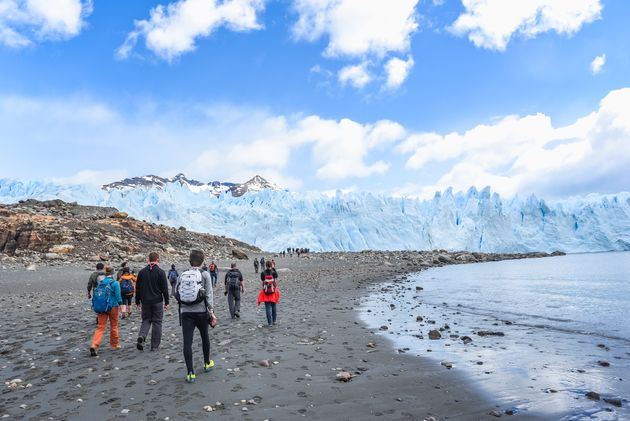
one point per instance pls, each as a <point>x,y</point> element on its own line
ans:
<point>123,265</point>
<point>105,303</point>
<point>195,296</point>
<point>269,294</point>
<point>262,263</point>
<point>256,265</point>
<point>204,268</point>
<point>214,272</point>
<point>273,264</point>
<point>172,278</point>
<point>95,278</point>
<point>233,289</point>
<point>127,288</point>
<point>152,295</point>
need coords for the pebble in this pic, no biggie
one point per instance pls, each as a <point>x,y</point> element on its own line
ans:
<point>125,411</point>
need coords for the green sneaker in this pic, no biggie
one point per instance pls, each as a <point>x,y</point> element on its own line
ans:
<point>208,366</point>
<point>190,378</point>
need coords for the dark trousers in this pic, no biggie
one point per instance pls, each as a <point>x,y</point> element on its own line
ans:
<point>270,310</point>
<point>152,315</point>
<point>234,301</point>
<point>213,278</point>
<point>190,321</point>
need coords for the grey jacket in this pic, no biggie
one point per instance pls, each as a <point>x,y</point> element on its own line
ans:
<point>207,286</point>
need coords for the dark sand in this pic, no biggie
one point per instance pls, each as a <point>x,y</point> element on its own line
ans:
<point>46,324</point>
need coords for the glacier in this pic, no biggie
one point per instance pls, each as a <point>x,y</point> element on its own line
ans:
<point>274,220</point>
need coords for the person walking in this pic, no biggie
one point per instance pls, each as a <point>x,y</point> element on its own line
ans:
<point>214,273</point>
<point>172,278</point>
<point>255,265</point>
<point>153,298</point>
<point>233,289</point>
<point>195,297</point>
<point>269,294</point>
<point>262,263</point>
<point>127,288</point>
<point>96,276</point>
<point>105,303</point>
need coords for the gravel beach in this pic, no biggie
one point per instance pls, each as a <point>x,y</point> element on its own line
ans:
<point>47,322</point>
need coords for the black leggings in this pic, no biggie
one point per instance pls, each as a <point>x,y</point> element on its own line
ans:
<point>190,321</point>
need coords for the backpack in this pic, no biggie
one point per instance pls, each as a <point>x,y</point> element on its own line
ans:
<point>190,288</point>
<point>233,282</point>
<point>103,300</point>
<point>269,284</point>
<point>172,276</point>
<point>126,287</point>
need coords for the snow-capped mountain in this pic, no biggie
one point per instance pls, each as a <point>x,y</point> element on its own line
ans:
<point>214,187</point>
<point>273,220</point>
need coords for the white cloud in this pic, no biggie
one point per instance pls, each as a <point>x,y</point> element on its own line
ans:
<point>529,155</point>
<point>367,30</point>
<point>598,64</point>
<point>357,27</point>
<point>356,75</point>
<point>491,24</point>
<point>24,21</point>
<point>172,30</point>
<point>397,71</point>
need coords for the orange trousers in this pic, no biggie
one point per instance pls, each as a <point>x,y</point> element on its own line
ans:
<point>114,339</point>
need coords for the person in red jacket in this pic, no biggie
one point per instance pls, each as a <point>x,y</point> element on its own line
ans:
<point>269,294</point>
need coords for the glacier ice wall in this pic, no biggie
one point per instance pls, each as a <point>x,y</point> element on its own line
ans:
<point>273,220</point>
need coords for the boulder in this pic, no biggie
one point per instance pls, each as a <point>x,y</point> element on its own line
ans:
<point>138,258</point>
<point>62,249</point>
<point>239,255</point>
<point>594,396</point>
<point>51,256</point>
<point>343,376</point>
<point>434,334</point>
<point>119,215</point>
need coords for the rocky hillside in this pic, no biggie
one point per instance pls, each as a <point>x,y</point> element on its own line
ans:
<point>55,231</point>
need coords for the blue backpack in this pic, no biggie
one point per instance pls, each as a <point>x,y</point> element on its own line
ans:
<point>103,298</point>
<point>126,287</point>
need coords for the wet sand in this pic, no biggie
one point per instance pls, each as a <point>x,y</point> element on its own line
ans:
<point>46,324</point>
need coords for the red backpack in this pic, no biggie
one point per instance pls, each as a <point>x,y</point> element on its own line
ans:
<point>269,284</point>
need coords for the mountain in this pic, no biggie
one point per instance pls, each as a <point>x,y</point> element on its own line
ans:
<point>214,187</point>
<point>274,219</point>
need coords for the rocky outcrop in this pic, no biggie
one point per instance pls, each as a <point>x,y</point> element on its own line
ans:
<point>57,231</point>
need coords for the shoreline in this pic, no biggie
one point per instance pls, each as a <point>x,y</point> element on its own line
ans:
<point>319,334</point>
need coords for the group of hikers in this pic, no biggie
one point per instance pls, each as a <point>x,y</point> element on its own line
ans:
<point>193,289</point>
<point>292,250</point>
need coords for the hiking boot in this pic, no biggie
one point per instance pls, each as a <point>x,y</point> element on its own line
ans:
<point>190,378</point>
<point>208,366</point>
<point>117,348</point>
<point>93,352</point>
<point>140,344</point>
<point>238,315</point>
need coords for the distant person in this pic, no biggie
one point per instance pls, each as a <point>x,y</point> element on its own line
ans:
<point>172,278</point>
<point>262,263</point>
<point>123,265</point>
<point>95,278</point>
<point>269,294</point>
<point>233,289</point>
<point>273,263</point>
<point>127,288</point>
<point>214,272</point>
<point>204,268</point>
<point>195,297</point>
<point>255,265</point>
<point>105,303</point>
<point>152,295</point>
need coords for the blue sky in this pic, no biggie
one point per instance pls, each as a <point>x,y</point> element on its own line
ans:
<point>401,96</point>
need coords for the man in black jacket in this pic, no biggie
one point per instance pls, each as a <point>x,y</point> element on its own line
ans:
<point>152,293</point>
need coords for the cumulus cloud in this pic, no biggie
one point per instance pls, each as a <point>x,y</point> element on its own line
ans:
<point>356,75</point>
<point>217,142</point>
<point>397,71</point>
<point>22,22</point>
<point>491,24</point>
<point>529,155</point>
<point>173,29</point>
<point>357,29</point>
<point>93,177</point>
<point>598,64</point>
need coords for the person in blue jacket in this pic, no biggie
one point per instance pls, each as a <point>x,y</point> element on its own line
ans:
<point>112,286</point>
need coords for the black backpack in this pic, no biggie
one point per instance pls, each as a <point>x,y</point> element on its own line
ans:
<point>233,281</point>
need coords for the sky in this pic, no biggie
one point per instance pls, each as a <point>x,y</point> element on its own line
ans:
<point>404,97</point>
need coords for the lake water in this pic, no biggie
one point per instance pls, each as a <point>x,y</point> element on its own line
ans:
<point>563,318</point>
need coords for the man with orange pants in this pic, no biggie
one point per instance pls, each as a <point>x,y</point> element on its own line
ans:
<point>107,294</point>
